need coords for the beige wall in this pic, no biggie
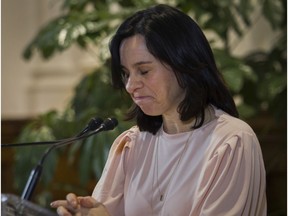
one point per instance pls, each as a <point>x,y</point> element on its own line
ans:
<point>29,88</point>
<point>32,87</point>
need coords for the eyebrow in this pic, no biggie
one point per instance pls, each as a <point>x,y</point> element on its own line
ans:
<point>137,64</point>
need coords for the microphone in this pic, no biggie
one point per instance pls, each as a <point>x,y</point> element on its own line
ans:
<point>93,124</point>
<point>108,124</point>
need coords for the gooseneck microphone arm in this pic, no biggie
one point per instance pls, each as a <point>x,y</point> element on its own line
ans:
<point>108,124</point>
<point>93,124</point>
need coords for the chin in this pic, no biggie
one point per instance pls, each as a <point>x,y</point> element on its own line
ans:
<point>152,113</point>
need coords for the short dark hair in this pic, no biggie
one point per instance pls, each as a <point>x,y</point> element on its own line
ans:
<point>175,39</point>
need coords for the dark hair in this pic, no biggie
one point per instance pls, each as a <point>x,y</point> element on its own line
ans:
<point>175,39</point>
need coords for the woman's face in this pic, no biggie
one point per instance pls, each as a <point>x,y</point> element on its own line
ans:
<point>152,85</point>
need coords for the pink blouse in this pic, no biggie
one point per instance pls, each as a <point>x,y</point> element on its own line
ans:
<point>215,170</point>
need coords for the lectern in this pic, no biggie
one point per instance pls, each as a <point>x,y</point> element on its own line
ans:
<point>13,205</point>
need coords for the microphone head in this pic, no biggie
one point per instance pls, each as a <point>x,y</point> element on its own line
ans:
<point>94,123</point>
<point>109,124</point>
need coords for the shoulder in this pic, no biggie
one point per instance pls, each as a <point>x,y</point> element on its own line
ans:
<point>131,140</point>
<point>125,140</point>
<point>229,132</point>
<point>232,125</point>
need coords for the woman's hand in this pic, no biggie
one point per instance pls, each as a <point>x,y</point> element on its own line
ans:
<point>79,206</point>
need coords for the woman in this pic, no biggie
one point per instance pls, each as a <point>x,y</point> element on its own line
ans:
<point>189,153</point>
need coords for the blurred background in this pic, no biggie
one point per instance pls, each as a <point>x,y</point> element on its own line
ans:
<point>55,78</point>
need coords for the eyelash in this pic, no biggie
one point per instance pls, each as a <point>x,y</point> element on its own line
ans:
<point>144,72</point>
<point>125,76</point>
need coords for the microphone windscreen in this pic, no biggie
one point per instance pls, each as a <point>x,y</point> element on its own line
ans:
<point>110,124</point>
<point>95,123</point>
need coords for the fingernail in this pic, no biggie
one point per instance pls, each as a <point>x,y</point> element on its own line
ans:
<point>52,204</point>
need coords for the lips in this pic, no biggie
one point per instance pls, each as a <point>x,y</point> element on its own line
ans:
<point>141,99</point>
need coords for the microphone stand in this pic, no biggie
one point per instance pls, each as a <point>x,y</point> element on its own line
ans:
<point>35,174</point>
<point>37,171</point>
<point>93,124</point>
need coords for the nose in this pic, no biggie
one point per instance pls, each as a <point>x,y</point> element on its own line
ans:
<point>133,83</point>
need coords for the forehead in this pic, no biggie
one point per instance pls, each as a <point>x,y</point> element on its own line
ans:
<point>134,49</point>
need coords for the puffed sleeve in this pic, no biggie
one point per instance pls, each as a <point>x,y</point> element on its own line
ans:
<point>233,182</point>
<point>110,188</point>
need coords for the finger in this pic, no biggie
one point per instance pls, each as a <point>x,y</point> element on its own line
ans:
<point>72,200</point>
<point>57,203</point>
<point>61,211</point>
<point>64,204</point>
<point>78,214</point>
<point>88,202</point>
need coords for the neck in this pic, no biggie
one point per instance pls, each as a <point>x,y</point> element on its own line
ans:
<point>173,125</point>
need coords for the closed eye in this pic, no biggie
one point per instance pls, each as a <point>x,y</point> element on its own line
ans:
<point>144,72</point>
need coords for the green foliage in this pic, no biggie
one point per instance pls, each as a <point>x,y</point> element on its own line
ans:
<point>258,79</point>
<point>46,127</point>
<point>270,93</point>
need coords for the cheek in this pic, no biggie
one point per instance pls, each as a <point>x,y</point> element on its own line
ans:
<point>175,92</point>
